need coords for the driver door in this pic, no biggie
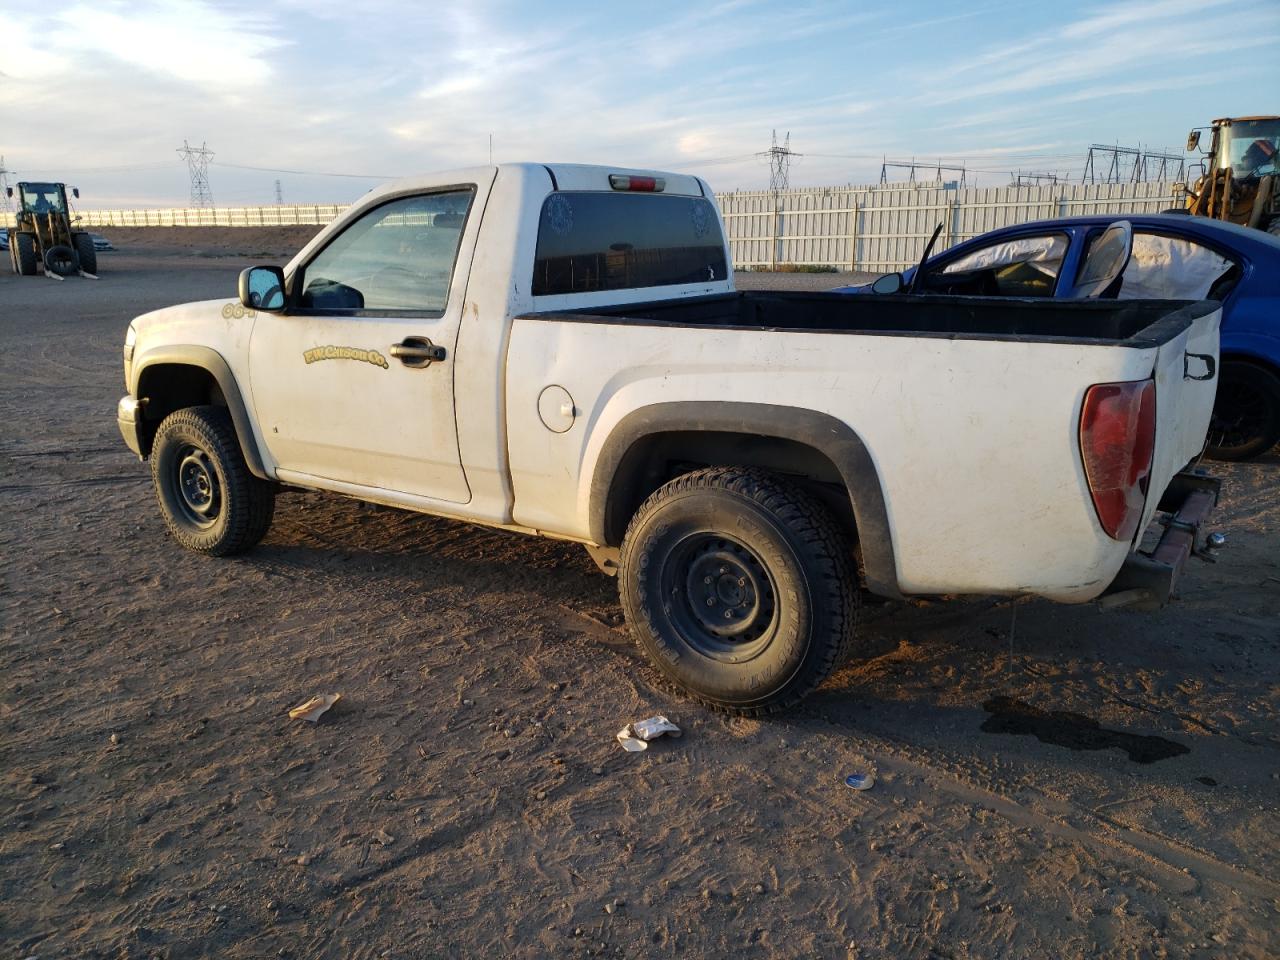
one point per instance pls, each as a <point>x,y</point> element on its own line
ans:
<point>353,382</point>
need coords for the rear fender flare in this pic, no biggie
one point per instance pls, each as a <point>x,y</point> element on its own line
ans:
<point>836,440</point>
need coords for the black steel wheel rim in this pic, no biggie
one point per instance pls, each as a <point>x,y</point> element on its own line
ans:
<point>196,480</point>
<point>1240,416</point>
<point>721,598</point>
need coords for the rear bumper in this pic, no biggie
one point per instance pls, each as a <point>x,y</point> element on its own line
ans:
<point>1147,581</point>
<point>129,420</point>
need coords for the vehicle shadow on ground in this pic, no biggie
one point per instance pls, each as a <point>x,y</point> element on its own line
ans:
<point>929,662</point>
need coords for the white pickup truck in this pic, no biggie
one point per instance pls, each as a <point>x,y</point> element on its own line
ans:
<point>559,350</point>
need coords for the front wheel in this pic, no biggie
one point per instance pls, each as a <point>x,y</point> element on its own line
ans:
<point>211,502</point>
<point>1246,413</point>
<point>24,254</point>
<point>739,588</point>
<point>87,253</point>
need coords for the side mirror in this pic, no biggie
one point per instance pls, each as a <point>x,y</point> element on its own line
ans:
<point>262,288</point>
<point>1193,140</point>
<point>75,192</point>
<point>889,283</point>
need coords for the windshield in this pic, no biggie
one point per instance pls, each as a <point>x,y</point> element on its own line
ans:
<point>42,198</point>
<point>1252,147</point>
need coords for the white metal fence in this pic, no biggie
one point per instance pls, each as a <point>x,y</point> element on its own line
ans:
<point>874,228</point>
<point>880,228</point>
<point>283,215</point>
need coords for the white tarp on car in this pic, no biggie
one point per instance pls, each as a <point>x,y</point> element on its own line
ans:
<point>1044,252</point>
<point>1166,268</point>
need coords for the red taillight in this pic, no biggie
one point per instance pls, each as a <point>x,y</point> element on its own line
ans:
<point>621,181</point>
<point>1117,438</point>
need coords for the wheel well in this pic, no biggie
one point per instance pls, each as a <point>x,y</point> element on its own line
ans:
<point>1252,361</point>
<point>167,387</point>
<point>655,459</point>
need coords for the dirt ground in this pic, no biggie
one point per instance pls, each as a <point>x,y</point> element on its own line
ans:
<point>1050,781</point>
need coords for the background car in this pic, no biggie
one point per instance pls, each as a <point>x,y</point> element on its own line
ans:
<point>1175,256</point>
<point>100,242</point>
<point>4,236</point>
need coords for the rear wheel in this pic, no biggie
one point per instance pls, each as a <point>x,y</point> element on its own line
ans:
<point>60,259</point>
<point>24,254</point>
<point>211,502</point>
<point>739,587</point>
<point>1246,414</point>
<point>87,253</point>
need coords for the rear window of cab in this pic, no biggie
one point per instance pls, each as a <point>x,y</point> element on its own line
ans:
<point>588,242</point>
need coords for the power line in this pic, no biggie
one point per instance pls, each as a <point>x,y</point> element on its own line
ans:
<point>711,161</point>
<point>4,186</point>
<point>912,166</point>
<point>1130,165</point>
<point>309,173</point>
<point>1033,179</point>
<point>198,164</point>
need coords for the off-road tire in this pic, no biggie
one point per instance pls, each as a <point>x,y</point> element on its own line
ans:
<point>60,259</point>
<point>24,254</point>
<point>759,549</point>
<point>86,252</point>
<point>196,448</point>
<point>1246,413</point>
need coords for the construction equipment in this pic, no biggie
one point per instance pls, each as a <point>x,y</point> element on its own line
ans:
<point>1241,178</point>
<point>45,235</point>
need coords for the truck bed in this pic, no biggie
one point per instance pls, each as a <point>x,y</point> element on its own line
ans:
<point>1134,323</point>
<point>968,409</point>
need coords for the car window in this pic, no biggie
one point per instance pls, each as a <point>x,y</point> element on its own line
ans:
<point>614,241</point>
<point>1025,267</point>
<point>1170,268</point>
<point>397,257</point>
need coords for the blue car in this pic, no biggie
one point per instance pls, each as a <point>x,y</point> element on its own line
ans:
<point>1174,256</point>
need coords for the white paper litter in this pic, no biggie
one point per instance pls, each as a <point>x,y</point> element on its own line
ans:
<point>635,737</point>
<point>313,709</point>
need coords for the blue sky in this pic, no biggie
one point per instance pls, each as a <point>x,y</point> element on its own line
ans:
<point>101,93</point>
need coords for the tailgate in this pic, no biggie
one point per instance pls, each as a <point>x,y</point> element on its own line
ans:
<point>1186,376</point>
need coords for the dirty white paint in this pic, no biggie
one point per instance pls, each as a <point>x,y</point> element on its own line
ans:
<point>975,441</point>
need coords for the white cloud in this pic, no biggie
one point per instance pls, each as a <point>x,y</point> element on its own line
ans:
<point>187,40</point>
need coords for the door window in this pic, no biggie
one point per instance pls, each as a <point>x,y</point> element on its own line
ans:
<point>1025,267</point>
<point>397,258</point>
<point>1170,268</point>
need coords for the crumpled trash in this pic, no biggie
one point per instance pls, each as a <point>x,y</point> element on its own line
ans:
<point>860,781</point>
<point>635,737</point>
<point>313,709</point>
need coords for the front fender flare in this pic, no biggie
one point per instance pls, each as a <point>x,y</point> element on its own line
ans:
<point>836,440</point>
<point>209,360</point>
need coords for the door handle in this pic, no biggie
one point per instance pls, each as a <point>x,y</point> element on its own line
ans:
<point>418,352</point>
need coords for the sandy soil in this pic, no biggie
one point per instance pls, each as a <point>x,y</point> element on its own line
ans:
<point>1075,783</point>
<point>279,243</point>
